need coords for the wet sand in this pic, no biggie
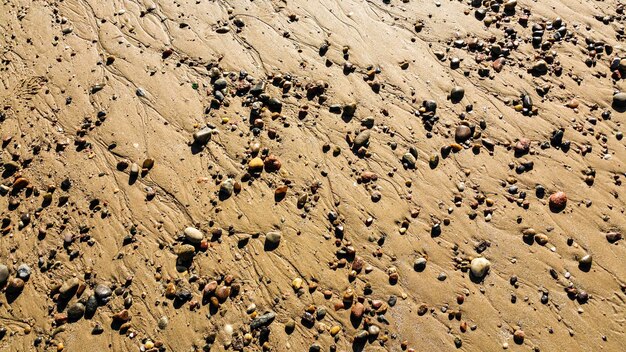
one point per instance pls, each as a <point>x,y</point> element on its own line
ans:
<point>342,164</point>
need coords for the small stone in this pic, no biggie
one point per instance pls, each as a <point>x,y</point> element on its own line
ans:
<point>103,292</point>
<point>4,273</point>
<point>558,200</point>
<point>75,311</point>
<point>23,271</point>
<point>419,264</point>
<point>409,160</point>
<point>518,336</point>
<point>586,260</point>
<point>15,285</point>
<point>185,252</point>
<point>193,235</point>
<point>540,67</point>
<point>262,320</point>
<point>362,139</point>
<point>162,323</point>
<point>256,164</point>
<point>462,133</point>
<point>273,238</point>
<point>457,93</point>
<point>202,136</point>
<point>227,187</point>
<point>619,100</point>
<point>357,310</point>
<point>479,267</point>
<point>69,286</point>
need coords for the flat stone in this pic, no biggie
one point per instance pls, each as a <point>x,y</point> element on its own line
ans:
<point>262,320</point>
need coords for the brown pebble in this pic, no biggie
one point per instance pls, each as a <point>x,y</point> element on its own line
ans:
<point>558,201</point>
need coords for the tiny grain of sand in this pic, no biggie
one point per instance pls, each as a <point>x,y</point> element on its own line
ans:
<point>331,175</point>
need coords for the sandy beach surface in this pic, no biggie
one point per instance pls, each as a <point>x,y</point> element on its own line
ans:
<point>331,175</point>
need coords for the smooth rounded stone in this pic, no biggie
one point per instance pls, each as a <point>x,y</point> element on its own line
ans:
<point>558,200</point>
<point>256,164</point>
<point>76,311</point>
<point>540,67</point>
<point>23,271</point>
<point>419,264</point>
<point>362,139</point>
<point>4,273</point>
<point>619,100</point>
<point>409,160</point>
<point>586,260</point>
<point>518,336</point>
<point>193,235</point>
<point>68,286</point>
<point>462,133</point>
<point>479,267</point>
<point>273,238</point>
<point>510,5</point>
<point>15,285</point>
<point>220,84</point>
<point>91,305</point>
<point>357,310</point>
<point>373,330</point>
<point>103,292</point>
<point>163,322</point>
<point>185,252</point>
<point>227,187</point>
<point>457,93</point>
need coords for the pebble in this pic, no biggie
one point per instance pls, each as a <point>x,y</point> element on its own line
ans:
<point>15,285</point>
<point>273,237</point>
<point>202,136</point>
<point>102,292</point>
<point>68,286</point>
<point>76,311</point>
<point>619,100</point>
<point>479,267</point>
<point>262,320</point>
<point>163,322</point>
<point>457,93</point>
<point>409,160</point>
<point>362,139</point>
<point>4,273</point>
<point>23,271</point>
<point>586,260</point>
<point>185,252</point>
<point>193,235</point>
<point>227,187</point>
<point>462,133</point>
<point>419,264</point>
<point>518,336</point>
<point>256,164</point>
<point>558,200</point>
